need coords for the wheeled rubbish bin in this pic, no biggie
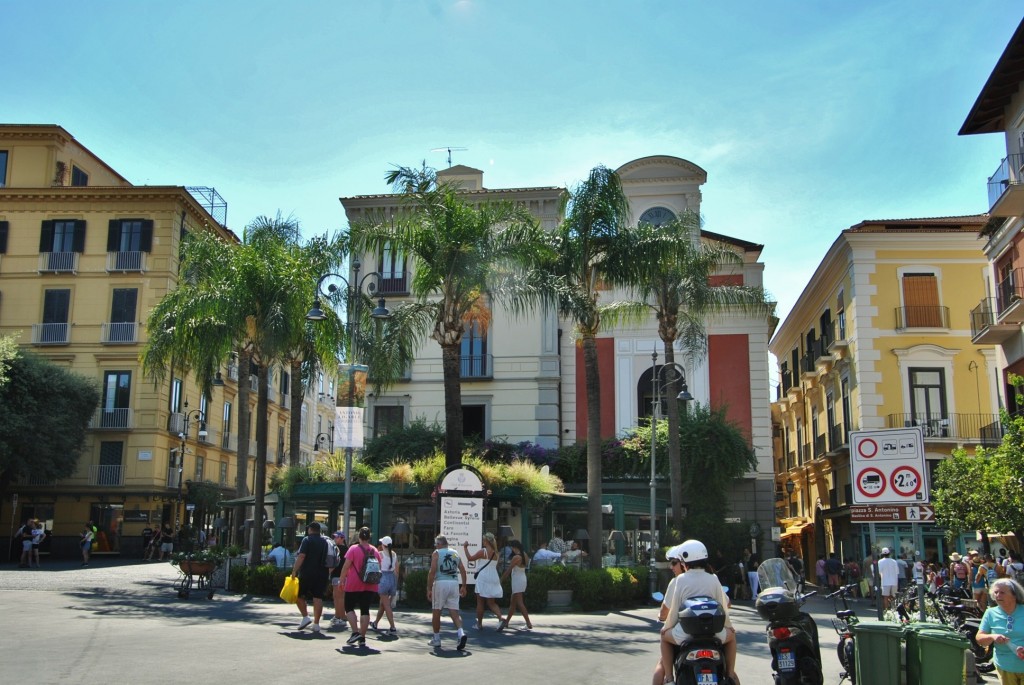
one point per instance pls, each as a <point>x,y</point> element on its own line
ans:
<point>878,651</point>
<point>935,655</point>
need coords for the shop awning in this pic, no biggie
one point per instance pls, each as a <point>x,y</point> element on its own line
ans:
<point>269,498</point>
<point>797,528</point>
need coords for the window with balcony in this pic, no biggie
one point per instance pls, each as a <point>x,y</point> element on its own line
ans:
<point>60,243</point>
<point>122,326</point>
<point>54,329</point>
<point>223,476</point>
<point>921,307</point>
<point>394,279</point>
<point>175,401</point>
<point>226,426</point>
<point>117,392</point>
<point>110,470</point>
<point>128,242</point>
<point>200,468</point>
<point>474,357</point>
<point>928,399</point>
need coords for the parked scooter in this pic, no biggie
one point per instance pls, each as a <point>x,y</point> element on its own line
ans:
<point>792,633</point>
<point>699,660</point>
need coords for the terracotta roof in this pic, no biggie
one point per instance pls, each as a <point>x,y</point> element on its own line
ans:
<point>988,113</point>
<point>968,223</point>
<point>746,245</point>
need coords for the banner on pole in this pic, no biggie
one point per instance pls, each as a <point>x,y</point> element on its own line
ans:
<point>348,427</point>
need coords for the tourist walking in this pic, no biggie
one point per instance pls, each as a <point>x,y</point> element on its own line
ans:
<point>38,535</point>
<point>488,584</point>
<point>888,576</point>
<point>88,535</point>
<point>819,573</point>
<point>388,587</point>
<point>1002,626</point>
<point>310,567</point>
<point>24,538</point>
<point>516,568</point>
<point>337,588</point>
<point>958,571</point>
<point>446,584</point>
<point>166,541</point>
<point>359,593</point>
<point>752,561</point>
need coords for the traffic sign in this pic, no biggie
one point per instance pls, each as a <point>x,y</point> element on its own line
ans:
<point>878,513</point>
<point>888,467</point>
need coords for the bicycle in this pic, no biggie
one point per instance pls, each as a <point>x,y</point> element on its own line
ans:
<point>843,622</point>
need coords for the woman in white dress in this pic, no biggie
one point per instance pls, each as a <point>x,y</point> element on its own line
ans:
<point>517,569</point>
<point>488,585</point>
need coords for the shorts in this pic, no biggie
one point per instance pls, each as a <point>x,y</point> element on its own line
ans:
<point>388,584</point>
<point>445,596</point>
<point>312,586</point>
<point>166,546</point>
<point>679,637</point>
<point>335,581</point>
<point>360,599</point>
<point>26,545</point>
<point>888,590</point>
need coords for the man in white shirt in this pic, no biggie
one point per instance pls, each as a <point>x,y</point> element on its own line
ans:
<point>889,576</point>
<point>278,556</point>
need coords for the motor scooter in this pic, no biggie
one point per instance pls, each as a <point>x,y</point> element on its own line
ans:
<point>792,633</point>
<point>699,660</point>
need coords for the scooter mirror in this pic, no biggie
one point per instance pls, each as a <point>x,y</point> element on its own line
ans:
<point>658,597</point>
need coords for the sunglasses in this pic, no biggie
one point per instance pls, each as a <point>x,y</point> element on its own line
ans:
<point>675,562</point>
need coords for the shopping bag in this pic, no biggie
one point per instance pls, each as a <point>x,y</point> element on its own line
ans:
<point>865,587</point>
<point>290,590</point>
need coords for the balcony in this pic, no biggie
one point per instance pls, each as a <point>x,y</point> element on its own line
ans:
<point>210,438</point>
<point>922,316</point>
<point>838,438</point>
<point>975,428</point>
<point>229,442</point>
<point>254,383</point>
<point>820,446</point>
<point>476,366</point>
<point>51,333</point>
<point>1006,187</point>
<point>126,262</point>
<point>122,333</point>
<point>106,475</point>
<point>1010,298</point>
<point>984,328</point>
<point>232,368</point>
<point>113,419</point>
<point>392,283</point>
<point>58,262</point>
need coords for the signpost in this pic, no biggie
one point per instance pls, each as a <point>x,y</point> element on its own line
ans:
<point>923,513</point>
<point>888,467</point>
<point>461,500</point>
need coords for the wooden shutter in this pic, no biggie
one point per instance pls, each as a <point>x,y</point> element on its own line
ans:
<point>3,236</point>
<point>921,301</point>
<point>78,242</point>
<point>146,242</point>
<point>46,236</point>
<point>114,235</point>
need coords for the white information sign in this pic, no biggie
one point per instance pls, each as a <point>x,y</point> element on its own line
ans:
<point>348,427</point>
<point>888,466</point>
<point>462,520</point>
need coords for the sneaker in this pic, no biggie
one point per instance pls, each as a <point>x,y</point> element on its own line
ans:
<point>335,622</point>
<point>435,642</point>
<point>354,638</point>
<point>393,631</point>
<point>502,624</point>
<point>373,625</point>
<point>315,628</point>
<point>462,642</point>
<point>306,620</point>
<point>361,641</point>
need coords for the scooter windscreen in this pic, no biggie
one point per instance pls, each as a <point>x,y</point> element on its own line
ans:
<point>776,573</point>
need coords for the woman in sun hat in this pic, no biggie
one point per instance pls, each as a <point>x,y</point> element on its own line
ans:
<point>388,587</point>
<point>958,571</point>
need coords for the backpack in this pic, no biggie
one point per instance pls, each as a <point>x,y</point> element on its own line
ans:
<point>371,568</point>
<point>333,557</point>
<point>1018,571</point>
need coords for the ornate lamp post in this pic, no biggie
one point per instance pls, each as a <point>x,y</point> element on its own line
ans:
<point>317,314</point>
<point>198,416</point>
<point>683,396</point>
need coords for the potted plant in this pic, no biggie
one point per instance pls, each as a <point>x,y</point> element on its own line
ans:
<point>199,563</point>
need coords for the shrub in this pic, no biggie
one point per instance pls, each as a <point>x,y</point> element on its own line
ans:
<point>415,441</point>
<point>415,588</point>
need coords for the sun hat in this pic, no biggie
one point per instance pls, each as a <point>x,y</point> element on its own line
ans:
<point>973,552</point>
<point>955,556</point>
<point>386,541</point>
<point>339,534</point>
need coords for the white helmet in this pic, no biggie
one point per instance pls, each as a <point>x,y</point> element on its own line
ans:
<point>693,550</point>
<point>675,553</point>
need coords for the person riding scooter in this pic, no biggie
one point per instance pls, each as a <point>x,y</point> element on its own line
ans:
<point>695,582</point>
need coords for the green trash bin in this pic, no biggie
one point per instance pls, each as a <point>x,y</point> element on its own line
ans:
<point>878,652</point>
<point>912,635</point>
<point>942,657</point>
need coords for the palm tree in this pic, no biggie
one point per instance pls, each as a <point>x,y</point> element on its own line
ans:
<point>670,270</point>
<point>232,295</point>
<point>465,260</point>
<point>596,211</point>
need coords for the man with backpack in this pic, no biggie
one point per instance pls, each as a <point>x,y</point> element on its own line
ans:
<point>360,576</point>
<point>311,567</point>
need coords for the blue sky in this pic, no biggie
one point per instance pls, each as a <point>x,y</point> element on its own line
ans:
<point>808,116</point>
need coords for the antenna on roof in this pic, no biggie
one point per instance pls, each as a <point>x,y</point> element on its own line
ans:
<point>449,150</point>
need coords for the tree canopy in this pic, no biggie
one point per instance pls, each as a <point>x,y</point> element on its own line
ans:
<point>46,411</point>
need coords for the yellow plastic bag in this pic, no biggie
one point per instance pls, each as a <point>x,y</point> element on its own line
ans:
<point>290,590</point>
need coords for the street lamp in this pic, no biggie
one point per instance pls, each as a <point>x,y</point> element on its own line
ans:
<point>197,415</point>
<point>683,396</point>
<point>318,314</point>
<point>324,440</point>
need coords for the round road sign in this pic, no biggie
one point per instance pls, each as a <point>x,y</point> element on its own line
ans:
<point>867,448</point>
<point>871,482</point>
<point>905,481</point>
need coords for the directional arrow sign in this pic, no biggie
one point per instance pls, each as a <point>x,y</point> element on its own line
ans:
<point>920,514</point>
<point>915,513</point>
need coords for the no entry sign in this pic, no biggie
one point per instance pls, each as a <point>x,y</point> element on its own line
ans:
<point>887,466</point>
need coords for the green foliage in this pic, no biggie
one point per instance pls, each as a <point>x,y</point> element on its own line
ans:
<point>265,580</point>
<point>213,554</point>
<point>415,588</point>
<point>45,410</point>
<point>411,443</point>
<point>570,463</point>
<point>8,352</point>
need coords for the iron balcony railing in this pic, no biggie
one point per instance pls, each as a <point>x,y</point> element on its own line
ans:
<point>393,283</point>
<point>1011,289</point>
<point>983,316</point>
<point>476,366</point>
<point>55,262</point>
<point>232,368</point>
<point>229,441</point>
<point>983,428</point>
<point>51,334</point>
<point>1009,173</point>
<point>106,475</point>
<point>820,446</point>
<point>838,437</point>
<point>126,261</point>
<point>119,333</point>
<point>922,316</point>
<point>114,418</point>
<point>172,477</point>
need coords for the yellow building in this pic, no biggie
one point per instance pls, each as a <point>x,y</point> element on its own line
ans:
<point>84,257</point>
<point>879,338</point>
